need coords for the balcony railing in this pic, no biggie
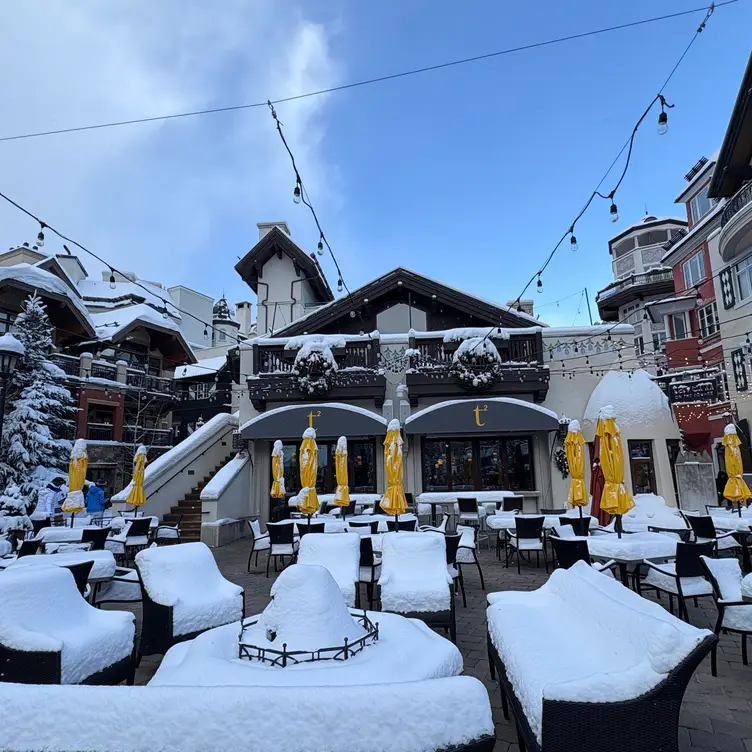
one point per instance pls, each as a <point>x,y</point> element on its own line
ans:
<point>99,431</point>
<point>160,437</point>
<point>103,371</point>
<point>518,349</point>
<point>67,363</point>
<point>150,383</point>
<point>275,359</point>
<point>636,280</point>
<point>737,203</point>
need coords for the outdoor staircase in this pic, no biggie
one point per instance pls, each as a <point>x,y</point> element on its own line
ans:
<point>190,508</point>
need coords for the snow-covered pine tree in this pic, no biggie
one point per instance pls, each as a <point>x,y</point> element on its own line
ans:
<point>33,443</point>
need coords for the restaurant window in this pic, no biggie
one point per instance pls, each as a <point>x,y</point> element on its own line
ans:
<point>642,467</point>
<point>362,457</point>
<point>490,464</point>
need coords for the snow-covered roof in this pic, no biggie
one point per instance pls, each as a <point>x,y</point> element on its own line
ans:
<point>694,231</point>
<point>636,401</point>
<point>43,281</point>
<point>98,294</point>
<point>702,174</point>
<point>202,368</point>
<point>109,323</point>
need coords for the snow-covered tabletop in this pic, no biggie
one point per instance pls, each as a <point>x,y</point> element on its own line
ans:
<point>442,498</point>
<point>103,569</point>
<point>650,510</point>
<point>732,521</point>
<point>73,535</point>
<point>5,547</point>
<point>331,524</point>
<point>361,499</point>
<point>505,520</point>
<point>334,525</point>
<point>631,547</point>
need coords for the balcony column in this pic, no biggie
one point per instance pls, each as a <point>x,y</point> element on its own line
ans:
<point>121,371</point>
<point>84,366</point>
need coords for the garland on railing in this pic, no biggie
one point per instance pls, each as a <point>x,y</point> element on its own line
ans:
<point>476,363</point>
<point>313,370</point>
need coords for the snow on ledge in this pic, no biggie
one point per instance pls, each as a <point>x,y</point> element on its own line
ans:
<point>507,400</point>
<point>224,478</point>
<point>316,406</point>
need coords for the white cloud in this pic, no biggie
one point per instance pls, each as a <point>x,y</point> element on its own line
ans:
<point>175,200</point>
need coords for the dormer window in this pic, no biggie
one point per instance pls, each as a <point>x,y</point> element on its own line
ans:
<point>700,205</point>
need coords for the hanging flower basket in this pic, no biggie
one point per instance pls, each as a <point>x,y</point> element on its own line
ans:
<point>313,370</point>
<point>476,364</point>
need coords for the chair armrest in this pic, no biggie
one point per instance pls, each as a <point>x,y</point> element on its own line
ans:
<point>653,565</point>
<point>734,603</point>
<point>610,564</point>
<point>725,535</point>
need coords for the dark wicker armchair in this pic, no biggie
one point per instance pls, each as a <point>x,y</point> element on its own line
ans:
<point>97,537</point>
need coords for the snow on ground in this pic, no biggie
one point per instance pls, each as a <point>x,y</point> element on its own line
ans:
<point>187,578</point>
<point>396,717</point>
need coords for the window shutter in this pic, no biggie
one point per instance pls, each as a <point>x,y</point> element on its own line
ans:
<point>740,370</point>
<point>726,280</point>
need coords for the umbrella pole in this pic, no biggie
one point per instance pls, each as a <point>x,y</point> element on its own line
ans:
<point>580,508</point>
<point>739,508</point>
<point>73,514</point>
<point>617,525</point>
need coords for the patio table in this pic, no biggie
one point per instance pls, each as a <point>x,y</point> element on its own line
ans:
<point>449,499</point>
<point>630,549</point>
<point>335,525</point>
<point>505,520</point>
<point>103,569</point>
<point>114,543</point>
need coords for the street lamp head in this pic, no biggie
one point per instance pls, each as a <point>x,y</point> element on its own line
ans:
<point>11,350</point>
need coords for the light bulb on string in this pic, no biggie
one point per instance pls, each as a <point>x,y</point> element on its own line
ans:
<point>112,280</point>
<point>662,123</point>
<point>40,236</point>
<point>573,240</point>
<point>613,212</point>
<point>206,333</point>
<point>539,284</point>
<point>320,246</point>
<point>296,195</point>
<point>339,285</point>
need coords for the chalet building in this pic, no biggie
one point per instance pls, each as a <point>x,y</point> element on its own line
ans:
<point>401,346</point>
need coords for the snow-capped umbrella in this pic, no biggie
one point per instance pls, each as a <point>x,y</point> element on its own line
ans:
<point>308,501</point>
<point>342,494</point>
<point>616,500</point>
<point>136,495</point>
<point>574,448</point>
<point>736,489</point>
<point>79,461</point>
<point>278,471</point>
<point>394,501</point>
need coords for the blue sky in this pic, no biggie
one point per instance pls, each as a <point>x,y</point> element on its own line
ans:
<point>468,174</point>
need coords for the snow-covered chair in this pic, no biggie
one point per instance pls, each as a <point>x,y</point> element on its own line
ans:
<point>50,635</point>
<point>528,536</point>
<point>467,553</point>
<point>340,554</point>
<point>259,541</point>
<point>683,578</point>
<point>183,594</point>
<point>369,567</point>
<point>440,528</point>
<point>704,531</point>
<point>124,587</point>
<point>567,551</point>
<point>414,580</point>
<point>622,694</point>
<point>734,613</point>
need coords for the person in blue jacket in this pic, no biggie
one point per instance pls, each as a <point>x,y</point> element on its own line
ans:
<point>95,502</point>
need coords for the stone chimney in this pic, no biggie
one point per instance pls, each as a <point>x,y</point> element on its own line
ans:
<point>72,266</point>
<point>525,305</point>
<point>265,228</point>
<point>243,315</point>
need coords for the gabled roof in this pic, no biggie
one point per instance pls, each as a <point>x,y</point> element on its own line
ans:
<point>250,267</point>
<point>736,151</point>
<point>493,313</point>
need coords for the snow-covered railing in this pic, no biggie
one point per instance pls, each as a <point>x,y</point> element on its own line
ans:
<point>228,493</point>
<point>273,356</point>
<point>243,718</point>
<point>171,476</point>
<point>514,349</point>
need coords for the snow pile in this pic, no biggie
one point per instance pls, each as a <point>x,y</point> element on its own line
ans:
<point>278,449</point>
<point>309,433</point>
<point>634,546</point>
<point>574,426</point>
<point>339,554</point>
<point>186,577</point>
<point>202,368</point>
<point>651,510</point>
<point>746,587</point>
<point>637,402</point>
<point>468,333</point>
<point>257,718</point>
<point>310,342</point>
<point>414,575</point>
<point>394,425</point>
<point>109,324</point>
<point>730,429</point>
<point>104,562</point>
<point>43,610</point>
<point>632,643</point>
<point>307,611</point>
<point>480,349</point>
<point>8,343</point>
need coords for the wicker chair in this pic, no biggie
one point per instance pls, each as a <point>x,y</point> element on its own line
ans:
<point>96,537</point>
<point>511,504</point>
<point>80,574</point>
<point>681,535</point>
<point>259,541</point>
<point>168,535</point>
<point>553,512</point>
<point>183,594</point>
<point>370,567</point>
<point>455,572</point>
<point>704,530</point>
<point>373,527</point>
<point>42,606</point>
<point>440,528</point>
<point>580,525</point>
<point>310,527</point>
<point>136,538</point>
<point>567,553</point>
<point>340,555</point>
<point>528,536</point>
<point>473,514</point>
<point>467,553</point>
<point>28,548</point>
<point>408,525</point>
<point>734,613</point>
<point>282,543</point>
<point>38,525</point>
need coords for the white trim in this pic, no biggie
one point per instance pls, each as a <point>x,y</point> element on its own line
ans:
<point>317,405</point>
<point>505,400</point>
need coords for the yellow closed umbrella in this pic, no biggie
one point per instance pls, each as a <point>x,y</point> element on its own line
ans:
<point>308,501</point>
<point>136,496</point>
<point>278,471</point>
<point>616,499</point>
<point>574,449</point>
<point>342,494</point>
<point>735,489</point>
<point>79,461</point>
<point>394,501</point>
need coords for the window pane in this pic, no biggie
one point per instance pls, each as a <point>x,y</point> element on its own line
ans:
<point>680,329</point>
<point>435,466</point>
<point>639,449</point>
<point>325,479</point>
<point>743,279</point>
<point>491,468</point>
<point>292,469</point>
<point>462,465</point>
<point>363,467</point>
<point>518,457</point>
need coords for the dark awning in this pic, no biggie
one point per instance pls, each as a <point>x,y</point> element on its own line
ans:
<point>330,419</point>
<point>492,415</point>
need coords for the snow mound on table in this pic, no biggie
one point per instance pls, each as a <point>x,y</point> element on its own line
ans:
<point>43,611</point>
<point>186,577</point>
<point>307,612</point>
<point>637,402</point>
<point>414,577</point>
<point>103,567</point>
<point>632,642</point>
<point>249,718</point>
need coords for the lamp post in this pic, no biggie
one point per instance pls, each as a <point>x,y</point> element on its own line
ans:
<point>11,350</point>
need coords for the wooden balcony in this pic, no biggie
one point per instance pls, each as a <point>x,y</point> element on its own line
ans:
<point>522,370</point>
<point>357,376</point>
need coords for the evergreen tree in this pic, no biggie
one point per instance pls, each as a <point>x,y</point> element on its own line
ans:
<point>33,446</point>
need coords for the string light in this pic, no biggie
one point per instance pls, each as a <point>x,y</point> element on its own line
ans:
<point>112,280</point>
<point>296,194</point>
<point>539,284</point>
<point>206,333</point>
<point>40,235</point>
<point>320,246</point>
<point>614,212</point>
<point>573,240</point>
<point>339,284</point>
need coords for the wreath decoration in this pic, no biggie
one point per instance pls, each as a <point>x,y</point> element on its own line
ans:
<point>313,370</point>
<point>560,458</point>
<point>476,363</point>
